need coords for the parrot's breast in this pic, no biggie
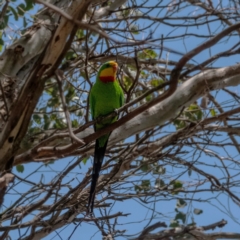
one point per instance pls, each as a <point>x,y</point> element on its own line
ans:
<point>108,97</point>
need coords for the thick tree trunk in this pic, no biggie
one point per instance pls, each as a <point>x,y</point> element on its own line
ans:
<point>26,65</point>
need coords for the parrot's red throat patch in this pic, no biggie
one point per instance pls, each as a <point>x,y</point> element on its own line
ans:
<point>108,74</point>
<point>107,79</point>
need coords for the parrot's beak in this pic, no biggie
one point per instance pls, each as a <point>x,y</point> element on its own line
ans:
<point>115,67</point>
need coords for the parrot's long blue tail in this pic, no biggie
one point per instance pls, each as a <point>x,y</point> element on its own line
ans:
<point>97,164</point>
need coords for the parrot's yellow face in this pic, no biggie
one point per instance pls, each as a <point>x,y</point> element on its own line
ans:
<point>108,72</point>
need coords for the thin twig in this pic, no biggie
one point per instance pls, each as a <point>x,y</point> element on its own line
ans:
<point>59,78</point>
<point>86,26</point>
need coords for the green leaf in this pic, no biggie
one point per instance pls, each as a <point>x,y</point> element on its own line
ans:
<point>134,29</point>
<point>146,185</point>
<point>79,113</point>
<point>144,74</point>
<point>181,216</point>
<point>20,9</point>
<point>156,82</point>
<point>197,211</point>
<point>34,130</point>
<point>147,54</point>
<point>51,91</point>
<point>75,123</point>
<point>85,160</point>
<point>159,183</point>
<point>149,97</point>
<point>46,121</point>
<point>181,203</point>
<point>213,112</point>
<point>199,114</point>
<point>80,33</point>
<point>174,224</point>
<point>145,167</point>
<point>73,107</point>
<point>194,112</point>
<point>4,23</point>
<point>59,124</point>
<point>14,13</point>
<point>159,170</point>
<point>176,185</point>
<point>126,13</point>
<point>29,5</point>
<point>53,117</point>
<point>127,82</point>
<point>70,94</point>
<point>20,168</point>
<point>37,119</point>
<point>70,55</point>
<point>179,124</point>
<point>53,102</point>
<point>137,188</point>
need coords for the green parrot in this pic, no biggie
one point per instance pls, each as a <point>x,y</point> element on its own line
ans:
<point>106,95</point>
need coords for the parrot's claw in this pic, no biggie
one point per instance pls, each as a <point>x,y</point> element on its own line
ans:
<point>99,119</point>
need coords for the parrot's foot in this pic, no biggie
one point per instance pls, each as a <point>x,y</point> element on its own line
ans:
<point>99,119</point>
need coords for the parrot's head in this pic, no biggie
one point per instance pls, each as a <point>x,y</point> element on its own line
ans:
<point>108,71</point>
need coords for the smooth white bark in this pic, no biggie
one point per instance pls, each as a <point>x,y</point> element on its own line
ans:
<point>186,94</point>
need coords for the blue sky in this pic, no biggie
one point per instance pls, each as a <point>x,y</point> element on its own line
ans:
<point>217,208</point>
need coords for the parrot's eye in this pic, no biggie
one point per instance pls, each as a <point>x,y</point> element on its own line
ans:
<point>108,65</point>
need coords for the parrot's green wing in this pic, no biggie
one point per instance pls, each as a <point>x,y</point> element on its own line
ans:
<point>121,97</point>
